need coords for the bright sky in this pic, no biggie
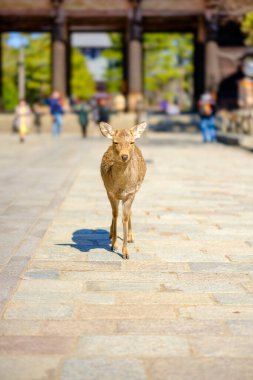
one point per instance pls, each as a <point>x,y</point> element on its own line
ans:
<point>16,39</point>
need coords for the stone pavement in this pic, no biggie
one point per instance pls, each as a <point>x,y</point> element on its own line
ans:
<point>180,308</point>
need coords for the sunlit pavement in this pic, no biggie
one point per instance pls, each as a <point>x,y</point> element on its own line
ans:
<point>180,308</point>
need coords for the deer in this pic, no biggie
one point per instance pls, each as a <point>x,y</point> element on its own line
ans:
<point>123,169</point>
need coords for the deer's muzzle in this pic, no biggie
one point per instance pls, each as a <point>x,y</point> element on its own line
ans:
<point>124,157</point>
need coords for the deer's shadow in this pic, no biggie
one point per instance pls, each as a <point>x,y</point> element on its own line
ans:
<point>85,240</point>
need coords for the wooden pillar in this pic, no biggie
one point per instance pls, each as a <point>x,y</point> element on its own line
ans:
<point>1,73</point>
<point>135,66</point>
<point>68,63</point>
<point>59,50</point>
<point>212,71</point>
<point>199,61</point>
<point>21,73</point>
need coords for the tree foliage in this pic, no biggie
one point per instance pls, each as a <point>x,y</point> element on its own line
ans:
<point>37,65</point>
<point>247,28</point>
<point>82,82</point>
<point>37,69</point>
<point>168,67</point>
<point>114,72</point>
<point>9,79</point>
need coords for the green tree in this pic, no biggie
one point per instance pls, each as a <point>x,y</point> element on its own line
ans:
<point>114,72</point>
<point>37,67</point>
<point>247,28</point>
<point>9,80</point>
<point>168,67</point>
<point>82,82</point>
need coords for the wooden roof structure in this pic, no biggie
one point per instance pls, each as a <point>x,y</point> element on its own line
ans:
<point>30,15</point>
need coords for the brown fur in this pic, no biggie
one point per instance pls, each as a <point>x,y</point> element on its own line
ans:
<point>122,179</point>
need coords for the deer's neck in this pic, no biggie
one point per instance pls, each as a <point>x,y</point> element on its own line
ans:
<point>122,167</point>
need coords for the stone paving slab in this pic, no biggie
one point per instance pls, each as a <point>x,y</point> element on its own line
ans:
<point>31,190</point>
<point>204,369</point>
<point>180,308</point>
<point>41,367</point>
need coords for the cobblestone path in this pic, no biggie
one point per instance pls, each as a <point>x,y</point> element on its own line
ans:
<point>180,308</point>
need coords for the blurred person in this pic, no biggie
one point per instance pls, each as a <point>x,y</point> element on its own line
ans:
<point>207,110</point>
<point>23,119</point>
<point>56,110</point>
<point>94,109</point>
<point>245,99</point>
<point>103,111</point>
<point>173,108</point>
<point>163,105</point>
<point>81,109</point>
<point>140,111</point>
<point>37,117</point>
<point>119,103</point>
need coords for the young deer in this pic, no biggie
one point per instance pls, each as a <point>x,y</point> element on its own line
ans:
<point>123,169</point>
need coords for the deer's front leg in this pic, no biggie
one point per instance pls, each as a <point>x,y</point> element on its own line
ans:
<point>126,216</point>
<point>113,231</point>
<point>130,236</point>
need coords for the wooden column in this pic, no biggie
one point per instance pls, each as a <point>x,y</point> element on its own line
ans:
<point>199,61</point>
<point>212,67</point>
<point>135,66</point>
<point>1,74</point>
<point>59,50</point>
<point>21,73</point>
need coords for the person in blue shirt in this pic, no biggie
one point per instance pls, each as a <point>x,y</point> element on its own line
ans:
<point>207,110</point>
<point>56,111</point>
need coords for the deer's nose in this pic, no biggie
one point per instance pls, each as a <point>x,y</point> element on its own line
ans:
<point>124,157</point>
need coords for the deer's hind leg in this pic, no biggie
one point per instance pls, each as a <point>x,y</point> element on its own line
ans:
<point>113,230</point>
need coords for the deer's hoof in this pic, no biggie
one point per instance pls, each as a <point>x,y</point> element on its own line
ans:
<point>130,241</point>
<point>125,253</point>
<point>114,248</point>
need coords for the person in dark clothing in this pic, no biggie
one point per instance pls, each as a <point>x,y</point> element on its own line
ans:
<point>82,111</point>
<point>56,110</point>
<point>207,110</point>
<point>37,117</point>
<point>103,111</point>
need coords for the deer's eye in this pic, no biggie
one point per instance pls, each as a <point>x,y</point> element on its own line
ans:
<point>115,143</point>
<point>132,142</point>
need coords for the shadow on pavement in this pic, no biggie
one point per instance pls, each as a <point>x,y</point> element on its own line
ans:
<point>85,240</point>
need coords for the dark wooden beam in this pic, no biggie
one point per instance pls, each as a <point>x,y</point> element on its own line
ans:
<point>25,23</point>
<point>77,14</point>
<point>97,23</point>
<point>26,12</point>
<point>82,13</point>
<point>172,24</point>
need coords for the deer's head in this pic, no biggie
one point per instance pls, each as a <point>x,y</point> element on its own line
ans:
<point>123,139</point>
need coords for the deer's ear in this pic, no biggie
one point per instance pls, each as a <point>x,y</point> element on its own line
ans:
<point>106,130</point>
<point>138,130</point>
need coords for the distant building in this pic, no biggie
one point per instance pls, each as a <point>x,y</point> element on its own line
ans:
<point>92,45</point>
